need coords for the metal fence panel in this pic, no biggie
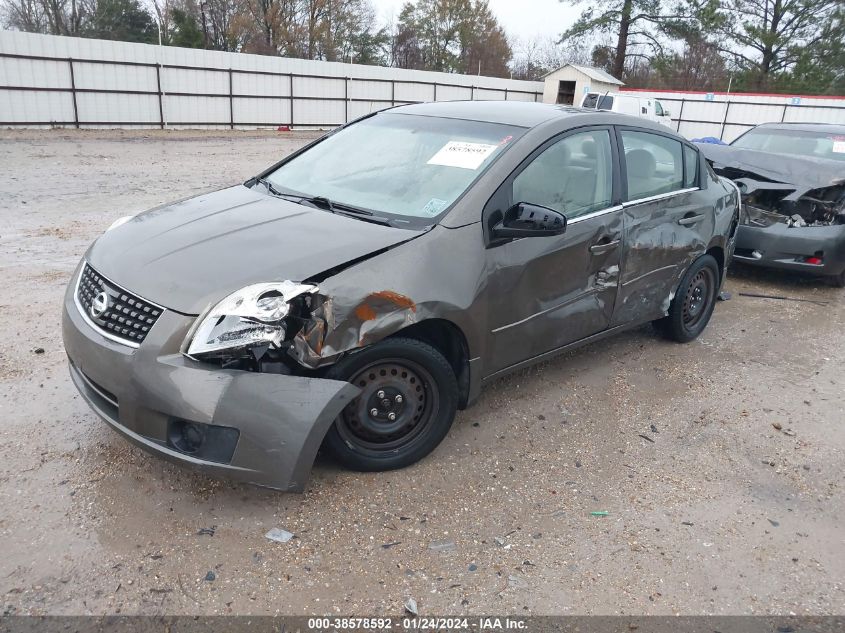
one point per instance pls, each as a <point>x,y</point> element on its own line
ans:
<point>371,90</point>
<point>245,83</point>
<point>115,108</point>
<point>726,116</point>
<point>454,93</point>
<point>256,111</point>
<point>49,80</point>
<point>35,73</point>
<point>37,109</point>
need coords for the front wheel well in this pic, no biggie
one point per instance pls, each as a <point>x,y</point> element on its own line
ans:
<point>448,339</point>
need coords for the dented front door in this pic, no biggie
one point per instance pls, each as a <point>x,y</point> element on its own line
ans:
<point>547,292</point>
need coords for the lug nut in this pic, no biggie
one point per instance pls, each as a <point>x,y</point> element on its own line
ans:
<point>391,416</point>
<point>374,412</point>
<point>398,399</point>
<point>380,394</point>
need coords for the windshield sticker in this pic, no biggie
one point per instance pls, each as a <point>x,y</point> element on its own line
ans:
<point>839,147</point>
<point>434,206</point>
<point>462,155</point>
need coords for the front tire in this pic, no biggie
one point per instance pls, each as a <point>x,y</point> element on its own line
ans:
<point>408,400</point>
<point>692,306</point>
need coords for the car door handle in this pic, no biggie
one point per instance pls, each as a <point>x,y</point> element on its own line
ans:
<point>603,247</point>
<point>690,219</point>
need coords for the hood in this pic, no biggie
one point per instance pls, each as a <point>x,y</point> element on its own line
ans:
<point>190,254</point>
<point>804,172</point>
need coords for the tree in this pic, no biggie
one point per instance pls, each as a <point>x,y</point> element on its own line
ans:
<point>699,66</point>
<point>124,20</point>
<point>767,39</point>
<point>534,58</point>
<point>461,36</point>
<point>25,15</point>
<point>184,30</point>
<point>639,27</point>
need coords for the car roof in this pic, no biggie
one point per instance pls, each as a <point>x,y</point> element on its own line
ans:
<point>520,113</point>
<point>824,128</point>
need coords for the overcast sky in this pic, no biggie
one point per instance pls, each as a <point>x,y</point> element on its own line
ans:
<point>525,19</point>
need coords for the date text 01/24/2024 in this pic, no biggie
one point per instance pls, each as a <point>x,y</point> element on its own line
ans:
<point>416,623</point>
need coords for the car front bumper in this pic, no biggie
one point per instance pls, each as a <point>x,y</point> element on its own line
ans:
<point>263,429</point>
<point>784,247</point>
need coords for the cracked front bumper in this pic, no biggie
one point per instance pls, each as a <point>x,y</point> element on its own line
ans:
<point>272,424</point>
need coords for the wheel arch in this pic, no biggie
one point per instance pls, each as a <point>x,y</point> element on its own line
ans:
<point>448,339</point>
<point>718,253</point>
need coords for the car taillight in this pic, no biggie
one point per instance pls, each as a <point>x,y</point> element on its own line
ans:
<point>815,261</point>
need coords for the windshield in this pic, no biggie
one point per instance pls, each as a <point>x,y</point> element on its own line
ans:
<point>795,142</point>
<point>407,168</point>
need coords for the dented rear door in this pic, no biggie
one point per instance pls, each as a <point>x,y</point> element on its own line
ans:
<point>668,221</point>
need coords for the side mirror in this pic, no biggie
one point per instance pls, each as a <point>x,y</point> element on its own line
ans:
<point>667,113</point>
<point>529,220</point>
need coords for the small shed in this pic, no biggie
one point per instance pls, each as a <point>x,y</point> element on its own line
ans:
<point>568,84</point>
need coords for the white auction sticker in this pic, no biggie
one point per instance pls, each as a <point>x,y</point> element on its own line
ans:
<point>839,147</point>
<point>462,154</point>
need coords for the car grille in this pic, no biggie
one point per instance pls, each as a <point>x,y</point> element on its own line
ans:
<point>126,318</point>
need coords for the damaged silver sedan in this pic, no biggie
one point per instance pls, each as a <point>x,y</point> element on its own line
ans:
<point>359,292</point>
<point>792,178</point>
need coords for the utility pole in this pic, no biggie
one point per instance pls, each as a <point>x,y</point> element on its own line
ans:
<point>204,25</point>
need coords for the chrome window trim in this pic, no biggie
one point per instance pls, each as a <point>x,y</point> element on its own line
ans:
<point>659,196</point>
<point>91,323</point>
<point>593,214</point>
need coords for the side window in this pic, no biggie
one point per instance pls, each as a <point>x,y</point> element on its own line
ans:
<point>690,167</point>
<point>654,164</point>
<point>658,108</point>
<point>573,176</point>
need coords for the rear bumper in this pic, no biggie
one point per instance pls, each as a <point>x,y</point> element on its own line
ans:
<point>263,429</point>
<point>781,246</point>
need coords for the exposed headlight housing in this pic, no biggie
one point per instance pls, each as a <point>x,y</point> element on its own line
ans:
<point>247,318</point>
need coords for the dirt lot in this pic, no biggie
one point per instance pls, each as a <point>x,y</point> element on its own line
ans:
<point>720,463</point>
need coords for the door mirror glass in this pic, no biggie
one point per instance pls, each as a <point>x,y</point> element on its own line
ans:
<point>529,220</point>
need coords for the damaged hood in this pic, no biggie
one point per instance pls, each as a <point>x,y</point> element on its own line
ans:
<point>804,172</point>
<point>188,255</point>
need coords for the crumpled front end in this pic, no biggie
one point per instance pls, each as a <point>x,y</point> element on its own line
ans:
<point>793,217</point>
<point>260,428</point>
<point>786,226</point>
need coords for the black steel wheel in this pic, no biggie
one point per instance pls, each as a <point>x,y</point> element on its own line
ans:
<point>692,306</point>
<point>407,403</point>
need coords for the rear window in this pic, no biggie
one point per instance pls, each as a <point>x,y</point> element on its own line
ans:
<point>654,164</point>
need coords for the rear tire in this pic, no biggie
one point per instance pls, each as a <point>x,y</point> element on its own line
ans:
<point>408,400</point>
<point>692,306</point>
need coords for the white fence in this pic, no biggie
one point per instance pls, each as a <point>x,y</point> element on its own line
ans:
<point>726,116</point>
<point>50,81</point>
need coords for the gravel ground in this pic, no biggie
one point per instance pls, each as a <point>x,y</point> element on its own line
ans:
<point>720,463</point>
